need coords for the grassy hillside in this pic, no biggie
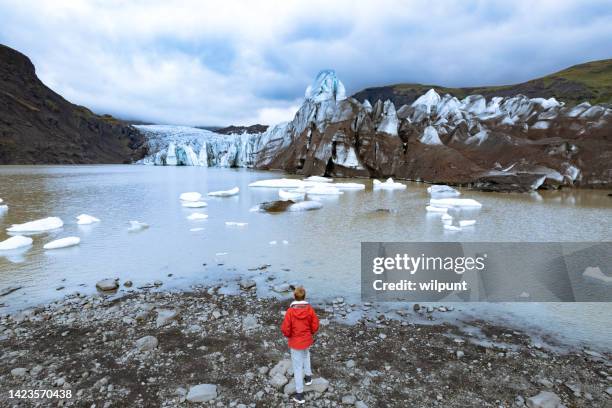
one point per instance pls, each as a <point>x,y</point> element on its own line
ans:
<point>590,82</point>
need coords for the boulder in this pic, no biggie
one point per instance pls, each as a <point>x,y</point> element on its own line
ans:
<point>202,393</point>
<point>278,381</point>
<point>107,285</point>
<point>249,322</point>
<point>282,367</point>
<point>318,385</point>
<point>349,400</point>
<point>165,316</point>
<point>19,372</point>
<point>146,343</point>
<point>544,399</point>
<point>247,284</point>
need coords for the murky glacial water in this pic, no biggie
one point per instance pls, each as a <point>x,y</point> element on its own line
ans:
<point>323,249</point>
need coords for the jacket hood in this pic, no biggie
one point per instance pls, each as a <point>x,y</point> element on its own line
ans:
<point>300,309</point>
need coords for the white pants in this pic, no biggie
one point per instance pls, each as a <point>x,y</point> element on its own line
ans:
<point>301,366</point>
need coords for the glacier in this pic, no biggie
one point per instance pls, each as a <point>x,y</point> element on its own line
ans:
<point>437,139</point>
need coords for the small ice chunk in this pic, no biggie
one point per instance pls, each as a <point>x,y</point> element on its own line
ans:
<point>196,229</point>
<point>197,216</point>
<point>278,183</point>
<point>225,193</point>
<point>323,189</point>
<point>221,253</point>
<point>305,206</point>
<point>45,224</point>
<point>272,242</point>
<point>293,195</point>
<point>190,196</point>
<point>349,186</point>
<point>454,202</point>
<point>235,224</point>
<point>3,208</point>
<point>431,208</point>
<point>389,185</point>
<point>63,243</point>
<point>452,227</point>
<point>594,273</point>
<point>442,190</point>
<point>136,226</point>
<point>285,242</point>
<point>319,179</point>
<point>446,219</point>
<point>85,219</point>
<point>15,242</point>
<point>194,204</point>
<point>467,223</point>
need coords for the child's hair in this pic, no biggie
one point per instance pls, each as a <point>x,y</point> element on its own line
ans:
<point>299,293</point>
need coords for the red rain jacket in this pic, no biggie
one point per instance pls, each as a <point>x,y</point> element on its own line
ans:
<point>300,323</point>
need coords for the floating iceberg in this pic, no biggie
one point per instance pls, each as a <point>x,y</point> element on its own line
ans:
<point>235,224</point>
<point>451,227</point>
<point>285,242</point>
<point>190,196</point>
<point>349,186</point>
<point>319,179</point>
<point>196,229</point>
<point>225,193</point>
<point>323,189</point>
<point>3,208</point>
<point>197,216</point>
<point>278,183</point>
<point>434,209</point>
<point>305,206</point>
<point>63,243</point>
<point>272,242</point>
<point>293,195</point>
<point>442,190</point>
<point>389,185</point>
<point>45,224</point>
<point>136,226</point>
<point>454,202</point>
<point>85,219</point>
<point>446,219</point>
<point>15,242</point>
<point>467,223</point>
<point>194,204</point>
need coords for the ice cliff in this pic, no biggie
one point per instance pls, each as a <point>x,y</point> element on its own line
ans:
<point>504,143</point>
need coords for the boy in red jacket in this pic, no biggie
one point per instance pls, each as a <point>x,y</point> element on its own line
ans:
<point>300,323</point>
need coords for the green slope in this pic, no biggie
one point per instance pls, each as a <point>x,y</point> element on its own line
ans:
<point>590,82</point>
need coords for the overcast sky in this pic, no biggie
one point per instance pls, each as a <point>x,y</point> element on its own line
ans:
<point>233,62</point>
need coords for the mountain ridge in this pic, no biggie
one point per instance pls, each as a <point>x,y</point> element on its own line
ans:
<point>587,82</point>
<point>39,126</point>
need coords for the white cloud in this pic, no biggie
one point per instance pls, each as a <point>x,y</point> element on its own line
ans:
<point>211,63</point>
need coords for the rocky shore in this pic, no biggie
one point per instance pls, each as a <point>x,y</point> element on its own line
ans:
<point>155,348</point>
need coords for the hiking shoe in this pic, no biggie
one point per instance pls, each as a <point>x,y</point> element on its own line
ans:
<point>299,398</point>
<point>307,380</point>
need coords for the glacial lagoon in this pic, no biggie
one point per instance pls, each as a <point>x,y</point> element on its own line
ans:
<point>320,249</point>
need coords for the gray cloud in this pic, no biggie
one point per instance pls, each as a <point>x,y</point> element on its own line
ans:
<point>245,62</point>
